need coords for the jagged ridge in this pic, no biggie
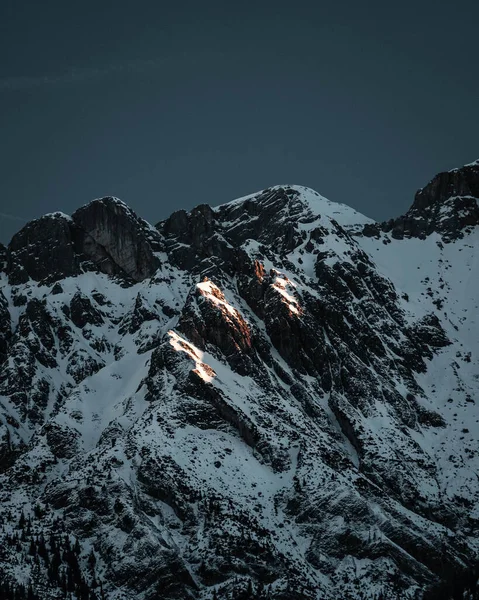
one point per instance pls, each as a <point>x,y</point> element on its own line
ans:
<point>259,394</point>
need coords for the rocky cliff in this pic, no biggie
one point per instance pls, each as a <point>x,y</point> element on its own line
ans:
<point>446,205</point>
<point>274,398</point>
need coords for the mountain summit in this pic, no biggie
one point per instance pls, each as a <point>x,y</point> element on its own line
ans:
<point>446,205</point>
<point>273,398</point>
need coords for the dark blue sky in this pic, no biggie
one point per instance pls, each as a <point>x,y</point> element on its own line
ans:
<point>168,106</point>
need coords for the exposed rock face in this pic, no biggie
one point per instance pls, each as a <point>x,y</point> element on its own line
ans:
<point>117,238</point>
<point>189,236</point>
<point>447,205</point>
<point>46,247</point>
<point>285,403</point>
<point>105,234</point>
<point>5,327</point>
<point>461,182</point>
<point>3,258</point>
<point>208,319</point>
<point>82,312</point>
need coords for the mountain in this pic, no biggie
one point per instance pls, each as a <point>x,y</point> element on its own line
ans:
<point>273,398</point>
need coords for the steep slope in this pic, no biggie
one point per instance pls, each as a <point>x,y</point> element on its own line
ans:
<point>276,392</point>
<point>447,205</point>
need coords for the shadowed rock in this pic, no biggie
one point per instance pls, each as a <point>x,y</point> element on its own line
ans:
<point>46,247</point>
<point>116,239</point>
<point>447,205</point>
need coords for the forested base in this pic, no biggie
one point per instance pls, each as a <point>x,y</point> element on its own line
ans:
<point>54,561</point>
<point>457,586</point>
<point>10,591</point>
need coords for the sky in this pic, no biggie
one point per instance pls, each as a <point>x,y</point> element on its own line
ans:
<point>170,105</point>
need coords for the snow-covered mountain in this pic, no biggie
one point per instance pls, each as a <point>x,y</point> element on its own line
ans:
<point>274,398</point>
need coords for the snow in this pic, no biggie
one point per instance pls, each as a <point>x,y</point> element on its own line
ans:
<point>104,398</point>
<point>282,284</point>
<point>112,199</point>
<point>212,292</point>
<point>231,458</point>
<point>472,164</point>
<point>317,205</point>
<point>58,215</point>
<point>428,271</point>
<point>182,345</point>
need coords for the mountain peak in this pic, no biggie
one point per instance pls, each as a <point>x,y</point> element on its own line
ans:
<point>45,247</point>
<point>111,202</point>
<point>474,163</point>
<point>251,400</point>
<point>308,202</point>
<point>447,205</point>
<point>105,234</point>
<point>111,226</point>
<point>461,182</point>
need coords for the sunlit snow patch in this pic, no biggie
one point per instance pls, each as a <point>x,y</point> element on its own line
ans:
<point>202,369</point>
<point>281,284</point>
<point>213,293</point>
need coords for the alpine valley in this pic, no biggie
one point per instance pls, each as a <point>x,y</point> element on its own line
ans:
<point>274,398</point>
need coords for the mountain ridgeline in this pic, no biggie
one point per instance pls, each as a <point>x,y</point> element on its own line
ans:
<point>274,398</point>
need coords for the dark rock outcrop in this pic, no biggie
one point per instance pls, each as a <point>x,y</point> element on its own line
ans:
<point>116,240</point>
<point>48,247</point>
<point>5,327</point>
<point>462,182</point>
<point>447,205</point>
<point>3,258</point>
<point>104,235</point>
<point>257,414</point>
<point>82,312</point>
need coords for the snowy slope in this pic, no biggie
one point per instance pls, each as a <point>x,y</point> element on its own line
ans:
<point>275,393</point>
